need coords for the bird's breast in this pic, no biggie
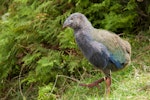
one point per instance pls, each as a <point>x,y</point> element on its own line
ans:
<point>83,43</point>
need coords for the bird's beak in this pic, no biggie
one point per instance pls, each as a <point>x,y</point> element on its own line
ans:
<point>67,23</point>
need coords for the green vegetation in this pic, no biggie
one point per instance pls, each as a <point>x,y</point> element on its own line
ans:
<point>40,60</point>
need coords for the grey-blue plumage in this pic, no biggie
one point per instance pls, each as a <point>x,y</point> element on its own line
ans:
<point>95,52</point>
<point>102,48</point>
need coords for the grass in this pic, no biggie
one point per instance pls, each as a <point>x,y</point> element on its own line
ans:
<point>132,83</point>
<point>135,85</point>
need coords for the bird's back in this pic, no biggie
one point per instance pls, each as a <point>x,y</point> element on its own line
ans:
<point>117,47</point>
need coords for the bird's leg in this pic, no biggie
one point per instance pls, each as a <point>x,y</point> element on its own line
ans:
<point>107,79</point>
<point>108,84</point>
<point>94,83</point>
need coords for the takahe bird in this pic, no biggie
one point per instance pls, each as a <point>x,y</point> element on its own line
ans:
<point>104,49</point>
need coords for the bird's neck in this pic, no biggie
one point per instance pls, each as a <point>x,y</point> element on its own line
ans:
<point>83,36</point>
<point>85,28</point>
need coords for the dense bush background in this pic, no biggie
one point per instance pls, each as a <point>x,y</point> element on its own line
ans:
<point>37,55</point>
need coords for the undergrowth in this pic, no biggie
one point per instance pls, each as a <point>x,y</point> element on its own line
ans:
<point>40,60</point>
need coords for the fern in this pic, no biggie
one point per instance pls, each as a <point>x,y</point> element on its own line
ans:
<point>45,93</point>
<point>36,48</point>
<point>66,39</point>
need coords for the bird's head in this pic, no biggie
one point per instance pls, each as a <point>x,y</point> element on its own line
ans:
<point>76,21</point>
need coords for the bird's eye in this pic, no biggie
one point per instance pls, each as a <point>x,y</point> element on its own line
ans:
<point>71,18</point>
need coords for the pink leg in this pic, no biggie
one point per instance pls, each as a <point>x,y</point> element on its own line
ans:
<point>96,83</point>
<point>108,84</point>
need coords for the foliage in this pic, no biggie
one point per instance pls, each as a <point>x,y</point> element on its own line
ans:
<point>35,48</point>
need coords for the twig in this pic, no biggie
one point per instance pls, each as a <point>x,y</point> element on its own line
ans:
<point>20,84</point>
<point>57,76</point>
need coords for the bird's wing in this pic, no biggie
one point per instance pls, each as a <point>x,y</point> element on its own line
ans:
<point>100,54</point>
<point>118,48</point>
